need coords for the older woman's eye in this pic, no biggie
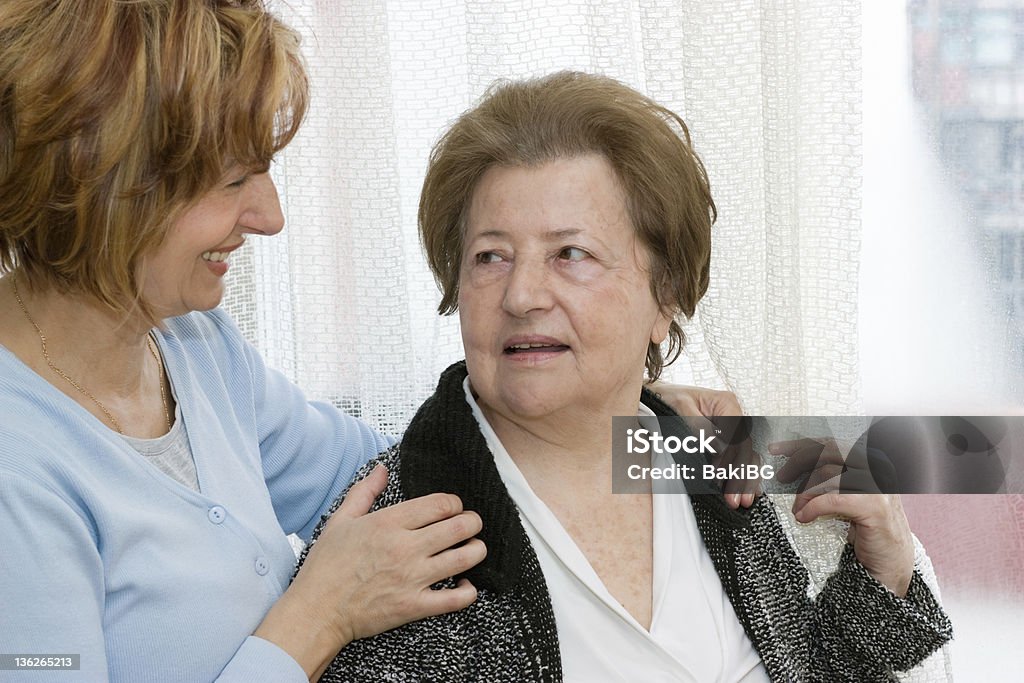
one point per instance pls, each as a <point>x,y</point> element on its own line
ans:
<point>488,257</point>
<point>572,254</point>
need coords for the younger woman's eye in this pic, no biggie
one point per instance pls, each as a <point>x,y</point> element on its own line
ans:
<point>572,254</point>
<point>239,182</point>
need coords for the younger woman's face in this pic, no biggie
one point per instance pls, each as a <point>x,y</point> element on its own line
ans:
<point>186,271</point>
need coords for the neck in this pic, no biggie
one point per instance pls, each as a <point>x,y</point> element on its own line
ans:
<point>101,349</point>
<point>573,445</point>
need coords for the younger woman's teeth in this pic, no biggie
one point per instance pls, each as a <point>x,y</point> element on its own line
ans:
<point>215,256</point>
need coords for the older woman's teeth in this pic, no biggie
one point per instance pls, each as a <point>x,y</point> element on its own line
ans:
<point>216,256</point>
<point>523,348</point>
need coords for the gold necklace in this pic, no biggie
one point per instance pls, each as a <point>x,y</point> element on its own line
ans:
<point>79,387</point>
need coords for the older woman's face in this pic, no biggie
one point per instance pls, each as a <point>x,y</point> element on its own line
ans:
<point>186,271</point>
<point>554,294</point>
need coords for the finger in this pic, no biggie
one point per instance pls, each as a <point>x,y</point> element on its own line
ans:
<point>857,507</point>
<point>446,533</point>
<point>878,463</point>
<point>736,500</point>
<point>814,507</point>
<point>858,456</point>
<point>788,447</point>
<point>822,481</point>
<point>362,494</point>
<point>749,488</point>
<point>723,404</point>
<point>742,485</point>
<point>420,512</point>
<point>702,426</point>
<point>455,561</point>
<point>446,600</point>
<point>719,403</point>
<point>742,454</point>
<point>792,447</point>
<point>826,477</point>
<point>696,423</point>
<point>682,401</point>
<point>801,460</point>
<point>742,490</point>
<point>850,481</point>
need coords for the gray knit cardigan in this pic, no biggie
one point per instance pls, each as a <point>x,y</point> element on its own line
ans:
<point>854,630</point>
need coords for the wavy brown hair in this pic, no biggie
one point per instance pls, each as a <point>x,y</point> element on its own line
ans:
<point>116,115</point>
<point>566,115</point>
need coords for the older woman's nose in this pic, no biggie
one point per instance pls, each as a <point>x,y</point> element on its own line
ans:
<point>263,214</point>
<point>528,289</point>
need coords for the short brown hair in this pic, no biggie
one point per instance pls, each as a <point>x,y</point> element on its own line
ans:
<point>566,115</point>
<point>116,116</point>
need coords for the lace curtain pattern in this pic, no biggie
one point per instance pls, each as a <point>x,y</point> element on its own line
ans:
<point>343,302</point>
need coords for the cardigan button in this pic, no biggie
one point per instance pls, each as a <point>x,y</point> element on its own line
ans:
<point>261,566</point>
<point>217,514</point>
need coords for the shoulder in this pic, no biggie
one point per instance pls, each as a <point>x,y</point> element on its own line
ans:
<point>210,331</point>
<point>39,436</point>
<point>392,494</point>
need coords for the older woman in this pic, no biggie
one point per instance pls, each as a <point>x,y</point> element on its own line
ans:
<point>568,220</point>
<point>150,464</point>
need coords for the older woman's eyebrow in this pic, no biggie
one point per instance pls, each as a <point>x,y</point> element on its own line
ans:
<point>555,235</point>
<point>548,236</point>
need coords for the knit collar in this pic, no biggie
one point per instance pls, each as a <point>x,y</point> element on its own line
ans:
<point>443,450</point>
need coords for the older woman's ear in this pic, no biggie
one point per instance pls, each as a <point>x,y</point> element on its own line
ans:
<point>659,332</point>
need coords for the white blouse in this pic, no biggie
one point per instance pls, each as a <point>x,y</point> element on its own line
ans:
<point>694,636</point>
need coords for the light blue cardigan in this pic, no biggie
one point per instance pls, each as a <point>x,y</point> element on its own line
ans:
<point>104,556</point>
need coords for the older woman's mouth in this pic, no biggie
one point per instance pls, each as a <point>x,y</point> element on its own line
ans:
<point>534,346</point>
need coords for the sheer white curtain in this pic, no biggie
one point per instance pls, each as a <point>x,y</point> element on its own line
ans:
<point>343,302</point>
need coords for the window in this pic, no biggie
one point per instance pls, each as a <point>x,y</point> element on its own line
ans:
<point>993,37</point>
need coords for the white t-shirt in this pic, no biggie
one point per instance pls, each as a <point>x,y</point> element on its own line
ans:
<point>694,636</point>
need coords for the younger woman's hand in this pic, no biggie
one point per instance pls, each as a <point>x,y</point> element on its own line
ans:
<point>371,572</point>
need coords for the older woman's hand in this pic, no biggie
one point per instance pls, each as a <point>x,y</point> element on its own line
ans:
<point>369,573</point>
<point>844,486</point>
